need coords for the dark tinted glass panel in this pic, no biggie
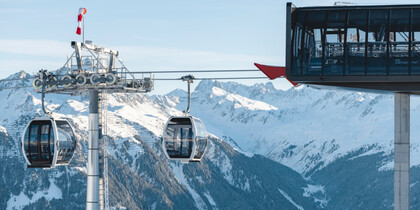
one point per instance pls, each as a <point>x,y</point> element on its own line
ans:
<point>33,142</point>
<point>45,142</point>
<point>201,144</point>
<point>334,46</point>
<point>297,42</point>
<point>179,142</point>
<point>312,41</point>
<point>399,42</point>
<point>170,132</point>
<point>67,142</point>
<point>180,121</point>
<point>356,36</point>
<point>186,142</point>
<point>65,153</point>
<point>415,47</point>
<point>201,130</point>
<point>65,127</point>
<point>170,141</point>
<point>377,42</point>
<point>40,142</point>
<point>26,143</point>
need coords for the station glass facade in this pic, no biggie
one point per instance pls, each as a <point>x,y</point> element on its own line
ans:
<point>355,41</point>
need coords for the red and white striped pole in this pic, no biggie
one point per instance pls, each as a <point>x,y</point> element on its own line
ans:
<point>82,11</point>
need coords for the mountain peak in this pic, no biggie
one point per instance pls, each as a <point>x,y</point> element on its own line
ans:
<point>177,93</point>
<point>19,75</point>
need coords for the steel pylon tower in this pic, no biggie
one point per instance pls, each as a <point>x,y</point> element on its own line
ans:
<point>105,139</point>
<point>92,74</point>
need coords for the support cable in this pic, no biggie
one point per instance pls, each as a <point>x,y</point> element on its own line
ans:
<point>213,78</point>
<point>195,71</point>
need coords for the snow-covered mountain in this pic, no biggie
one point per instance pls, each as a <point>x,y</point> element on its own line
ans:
<point>305,129</point>
<point>139,175</point>
<point>270,149</point>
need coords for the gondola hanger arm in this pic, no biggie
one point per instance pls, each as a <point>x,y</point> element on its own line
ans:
<point>43,77</point>
<point>189,79</point>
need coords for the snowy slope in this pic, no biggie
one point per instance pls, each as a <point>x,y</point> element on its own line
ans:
<point>326,136</point>
<point>140,176</point>
<point>303,128</point>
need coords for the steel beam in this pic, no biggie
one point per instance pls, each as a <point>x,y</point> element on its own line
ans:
<point>92,197</point>
<point>402,151</point>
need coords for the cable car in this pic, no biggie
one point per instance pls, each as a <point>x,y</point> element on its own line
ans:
<point>48,142</point>
<point>185,139</point>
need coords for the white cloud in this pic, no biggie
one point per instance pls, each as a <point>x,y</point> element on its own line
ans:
<point>48,48</point>
<point>137,57</point>
<point>12,10</point>
<point>11,66</point>
<point>172,58</point>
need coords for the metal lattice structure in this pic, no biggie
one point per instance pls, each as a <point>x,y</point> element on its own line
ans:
<point>93,67</point>
<point>97,71</point>
<point>105,139</point>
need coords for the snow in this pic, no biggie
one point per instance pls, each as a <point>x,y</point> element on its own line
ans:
<point>246,186</point>
<point>300,128</point>
<point>78,106</point>
<point>3,130</point>
<point>387,166</point>
<point>22,200</point>
<point>291,200</point>
<point>248,154</point>
<point>179,174</point>
<point>370,152</point>
<point>153,206</point>
<point>312,189</point>
<point>242,102</point>
<point>222,161</point>
<point>210,199</point>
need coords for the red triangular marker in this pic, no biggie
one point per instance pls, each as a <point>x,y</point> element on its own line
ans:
<point>274,72</point>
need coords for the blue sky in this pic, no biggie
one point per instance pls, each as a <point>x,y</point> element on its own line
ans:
<point>150,35</point>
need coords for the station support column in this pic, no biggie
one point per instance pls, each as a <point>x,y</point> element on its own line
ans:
<point>92,197</point>
<point>402,151</point>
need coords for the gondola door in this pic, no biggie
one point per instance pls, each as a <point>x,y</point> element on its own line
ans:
<point>40,142</point>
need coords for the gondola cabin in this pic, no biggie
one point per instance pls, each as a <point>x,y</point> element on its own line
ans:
<point>48,142</point>
<point>185,139</point>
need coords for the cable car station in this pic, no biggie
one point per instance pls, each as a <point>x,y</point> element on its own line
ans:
<point>361,47</point>
<point>371,47</point>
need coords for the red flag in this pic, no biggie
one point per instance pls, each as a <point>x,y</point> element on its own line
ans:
<point>82,11</point>
<point>274,72</point>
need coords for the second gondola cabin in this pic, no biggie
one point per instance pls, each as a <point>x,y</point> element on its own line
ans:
<point>48,142</point>
<point>185,139</point>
